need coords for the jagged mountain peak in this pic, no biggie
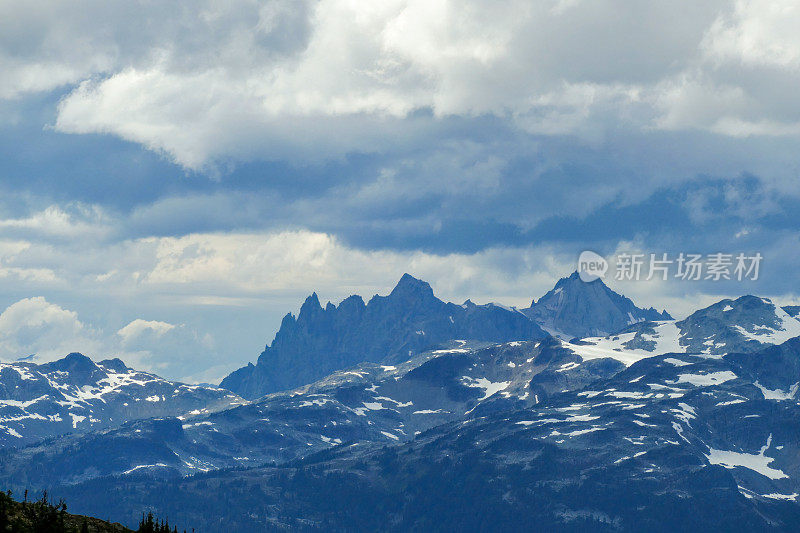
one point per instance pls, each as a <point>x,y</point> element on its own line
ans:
<point>409,290</point>
<point>411,319</point>
<point>575,276</point>
<point>575,308</point>
<point>411,287</point>
<point>407,281</point>
<point>311,304</point>
<point>408,320</point>
<point>573,284</point>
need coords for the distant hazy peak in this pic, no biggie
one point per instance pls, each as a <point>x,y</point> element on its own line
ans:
<point>575,308</point>
<point>408,284</point>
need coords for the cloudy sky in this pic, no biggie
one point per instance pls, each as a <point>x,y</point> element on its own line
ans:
<point>176,176</point>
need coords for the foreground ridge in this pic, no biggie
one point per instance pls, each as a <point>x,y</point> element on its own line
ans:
<point>44,515</point>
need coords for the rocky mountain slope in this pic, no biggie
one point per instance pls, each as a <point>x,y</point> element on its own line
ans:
<point>367,403</point>
<point>574,308</point>
<point>387,328</point>
<point>77,395</point>
<point>411,319</point>
<point>793,310</point>
<point>672,442</point>
<point>746,324</point>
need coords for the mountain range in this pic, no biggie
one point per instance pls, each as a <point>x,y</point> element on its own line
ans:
<point>77,395</point>
<point>411,319</point>
<point>745,324</point>
<point>485,421</point>
<point>366,403</point>
<point>671,443</point>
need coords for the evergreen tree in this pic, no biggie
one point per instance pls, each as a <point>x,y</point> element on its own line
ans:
<point>147,525</point>
<point>5,510</point>
<point>45,516</point>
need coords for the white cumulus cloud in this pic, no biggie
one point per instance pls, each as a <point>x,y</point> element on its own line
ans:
<point>137,327</point>
<point>34,326</point>
<point>211,81</point>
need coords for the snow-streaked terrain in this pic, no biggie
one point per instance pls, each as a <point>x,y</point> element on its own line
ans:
<point>75,394</point>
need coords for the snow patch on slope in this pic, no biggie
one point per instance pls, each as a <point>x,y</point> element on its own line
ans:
<point>788,328</point>
<point>752,461</point>
<point>778,394</point>
<point>489,387</point>
<point>666,339</point>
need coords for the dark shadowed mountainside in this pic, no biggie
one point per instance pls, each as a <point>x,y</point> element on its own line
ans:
<point>575,308</point>
<point>389,328</point>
